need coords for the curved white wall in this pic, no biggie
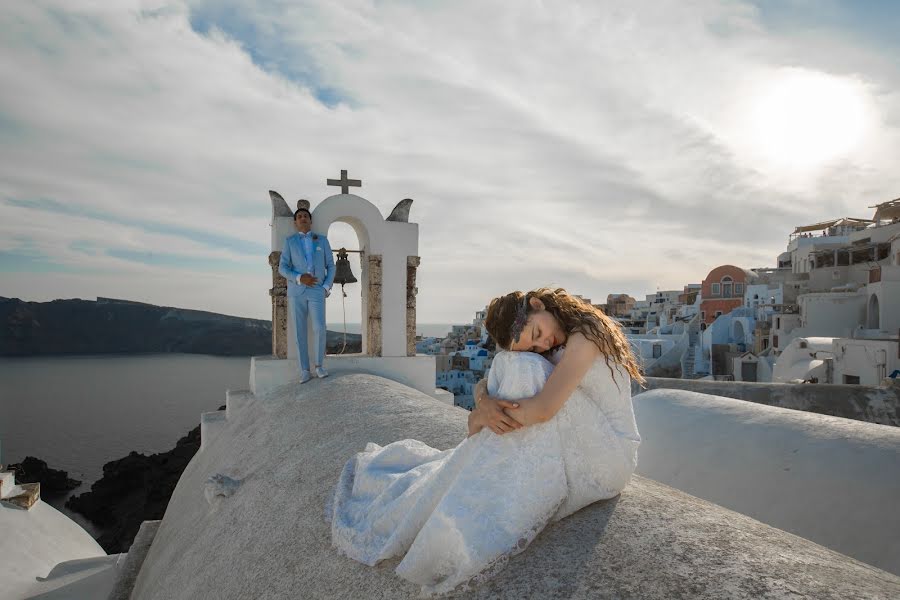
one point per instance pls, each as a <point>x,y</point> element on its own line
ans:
<point>33,541</point>
<point>831,480</point>
<point>803,359</point>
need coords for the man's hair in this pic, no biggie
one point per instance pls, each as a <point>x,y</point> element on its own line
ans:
<point>299,210</point>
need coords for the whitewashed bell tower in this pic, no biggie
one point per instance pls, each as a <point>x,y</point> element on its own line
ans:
<point>389,259</point>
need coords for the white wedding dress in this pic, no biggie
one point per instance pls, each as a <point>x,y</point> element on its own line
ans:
<point>459,514</point>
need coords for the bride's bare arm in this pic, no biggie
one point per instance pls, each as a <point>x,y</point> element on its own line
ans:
<point>576,362</point>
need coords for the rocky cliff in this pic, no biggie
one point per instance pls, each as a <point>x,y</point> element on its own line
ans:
<point>108,326</point>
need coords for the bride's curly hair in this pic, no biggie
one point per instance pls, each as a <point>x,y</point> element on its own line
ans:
<point>574,315</point>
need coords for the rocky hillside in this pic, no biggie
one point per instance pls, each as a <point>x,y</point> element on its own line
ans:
<point>108,326</point>
<point>134,489</point>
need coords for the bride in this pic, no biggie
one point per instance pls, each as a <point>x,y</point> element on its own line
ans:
<point>545,439</point>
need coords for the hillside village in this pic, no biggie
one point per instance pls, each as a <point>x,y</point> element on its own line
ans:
<point>827,312</point>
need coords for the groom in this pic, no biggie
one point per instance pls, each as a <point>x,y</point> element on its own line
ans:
<point>308,266</point>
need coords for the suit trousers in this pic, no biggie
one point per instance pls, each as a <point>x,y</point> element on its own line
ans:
<point>311,303</point>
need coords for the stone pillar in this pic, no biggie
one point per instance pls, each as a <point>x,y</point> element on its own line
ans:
<point>412,263</point>
<point>373,312</point>
<point>279,308</point>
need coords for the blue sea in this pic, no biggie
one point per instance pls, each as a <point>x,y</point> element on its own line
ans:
<point>79,412</point>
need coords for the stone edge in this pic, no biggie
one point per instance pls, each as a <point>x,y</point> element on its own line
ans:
<point>134,560</point>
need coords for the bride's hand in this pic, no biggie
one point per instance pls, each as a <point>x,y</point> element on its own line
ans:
<point>489,412</point>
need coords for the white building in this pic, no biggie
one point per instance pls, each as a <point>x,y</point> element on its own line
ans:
<point>808,239</point>
<point>838,360</point>
<point>457,381</point>
<point>428,345</point>
<point>479,358</point>
<point>864,361</point>
<point>854,301</point>
<point>648,348</point>
<point>782,330</point>
<point>804,359</point>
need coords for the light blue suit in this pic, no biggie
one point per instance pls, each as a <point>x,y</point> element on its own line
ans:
<point>305,299</point>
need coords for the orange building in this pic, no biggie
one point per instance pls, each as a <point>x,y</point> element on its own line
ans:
<point>722,291</point>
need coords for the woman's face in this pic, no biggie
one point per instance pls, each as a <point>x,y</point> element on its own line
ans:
<point>542,331</point>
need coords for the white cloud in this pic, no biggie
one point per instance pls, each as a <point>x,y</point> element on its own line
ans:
<point>589,147</point>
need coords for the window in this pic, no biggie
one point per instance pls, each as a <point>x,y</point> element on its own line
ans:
<point>718,313</point>
<point>657,350</point>
<point>775,341</point>
<point>715,289</point>
<point>703,315</point>
<point>739,289</point>
<point>851,379</point>
<point>726,287</point>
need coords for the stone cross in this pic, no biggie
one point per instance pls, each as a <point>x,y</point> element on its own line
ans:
<point>345,183</point>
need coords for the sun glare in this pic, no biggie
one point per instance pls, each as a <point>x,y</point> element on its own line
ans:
<point>804,118</point>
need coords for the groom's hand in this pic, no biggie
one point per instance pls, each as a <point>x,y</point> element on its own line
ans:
<point>307,279</point>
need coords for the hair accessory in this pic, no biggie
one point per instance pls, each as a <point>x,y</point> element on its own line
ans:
<point>520,320</point>
<point>303,204</point>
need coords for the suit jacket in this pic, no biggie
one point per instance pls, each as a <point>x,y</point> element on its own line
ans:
<point>293,263</point>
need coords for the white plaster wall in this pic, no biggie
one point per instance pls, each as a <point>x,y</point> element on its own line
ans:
<point>878,235</point>
<point>282,228</point>
<point>833,314</point>
<point>888,293</point>
<point>765,370</point>
<point>826,278</point>
<point>782,327</point>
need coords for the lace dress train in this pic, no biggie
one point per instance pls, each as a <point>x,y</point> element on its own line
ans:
<point>459,514</point>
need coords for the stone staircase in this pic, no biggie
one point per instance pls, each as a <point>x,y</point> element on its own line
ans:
<point>211,423</point>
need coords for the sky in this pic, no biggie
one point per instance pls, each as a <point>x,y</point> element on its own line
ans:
<point>602,147</point>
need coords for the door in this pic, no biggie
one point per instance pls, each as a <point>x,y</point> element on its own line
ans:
<point>748,371</point>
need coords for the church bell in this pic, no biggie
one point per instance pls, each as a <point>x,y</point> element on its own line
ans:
<point>342,272</point>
